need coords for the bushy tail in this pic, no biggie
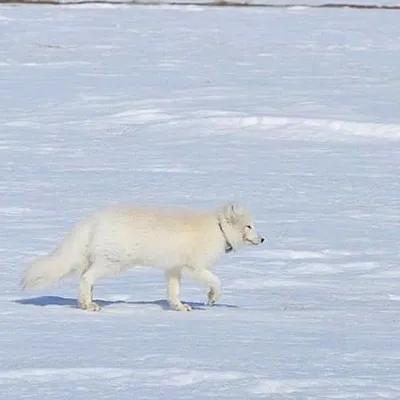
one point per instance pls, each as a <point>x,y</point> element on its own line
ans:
<point>68,258</point>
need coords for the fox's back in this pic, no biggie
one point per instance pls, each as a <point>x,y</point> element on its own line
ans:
<point>150,236</point>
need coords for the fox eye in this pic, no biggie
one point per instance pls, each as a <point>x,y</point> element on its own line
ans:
<point>249,227</point>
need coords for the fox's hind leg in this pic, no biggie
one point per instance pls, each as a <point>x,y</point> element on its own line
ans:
<point>95,271</point>
<point>85,297</point>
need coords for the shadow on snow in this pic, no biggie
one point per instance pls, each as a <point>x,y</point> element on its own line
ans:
<point>43,301</point>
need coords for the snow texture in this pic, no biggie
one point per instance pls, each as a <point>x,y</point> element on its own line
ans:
<point>293,112</point>
<point>366,4</point>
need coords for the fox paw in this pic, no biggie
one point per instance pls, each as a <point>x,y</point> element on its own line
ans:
<point>211,298</point>
<point>181,307</point>
<point>92,306</point>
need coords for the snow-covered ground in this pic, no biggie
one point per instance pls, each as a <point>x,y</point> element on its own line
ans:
<point>294,112</point>
<point>387,4</point>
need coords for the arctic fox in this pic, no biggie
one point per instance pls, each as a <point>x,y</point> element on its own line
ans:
<point>173,240</point>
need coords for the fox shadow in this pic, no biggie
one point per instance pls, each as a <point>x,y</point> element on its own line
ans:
<point>43,301</point>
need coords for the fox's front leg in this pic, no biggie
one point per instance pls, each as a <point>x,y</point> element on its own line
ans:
<point>173,277</point>
<point>212,296</point>
<point>206,277</point>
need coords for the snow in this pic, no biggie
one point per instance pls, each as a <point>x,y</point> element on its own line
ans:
<point>293,112</point>
<point>295,4</point>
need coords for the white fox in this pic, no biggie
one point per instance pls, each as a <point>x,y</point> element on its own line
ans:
<point>174,240</point>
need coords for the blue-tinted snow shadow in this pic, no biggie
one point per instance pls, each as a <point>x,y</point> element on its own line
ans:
<point>43,301</point>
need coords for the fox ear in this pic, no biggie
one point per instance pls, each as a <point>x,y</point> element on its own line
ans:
<point>230,211</point>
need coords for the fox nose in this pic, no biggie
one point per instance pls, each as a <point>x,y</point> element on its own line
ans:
<point>262,240</point>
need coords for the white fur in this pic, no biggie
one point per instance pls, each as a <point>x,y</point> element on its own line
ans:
<point>173,240</point>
